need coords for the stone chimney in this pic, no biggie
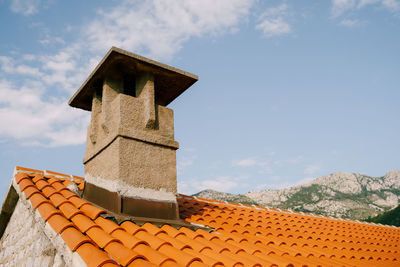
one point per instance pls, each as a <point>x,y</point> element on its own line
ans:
<point>130,160</point>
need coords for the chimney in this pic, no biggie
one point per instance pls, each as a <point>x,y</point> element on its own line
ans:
<point>130,158</point>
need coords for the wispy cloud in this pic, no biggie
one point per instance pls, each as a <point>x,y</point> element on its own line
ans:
<point>245,162</point>
<point>351,23</point>
<point>25,7</point>
<point>33,121</point>
<point>273,21</point>
<point>184,162</point>
<point>312,169</point>
<point>340,7</point>
<point>222,183</point>
<point>160,28</point>
<point>35,88</point>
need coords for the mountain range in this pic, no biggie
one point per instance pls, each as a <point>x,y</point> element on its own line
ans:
<point>342,194</point>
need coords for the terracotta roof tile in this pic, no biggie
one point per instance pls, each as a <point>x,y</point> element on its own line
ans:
<point>25,183</point>
<point>243,235</point>
<point>101,238</point>
<point>59,223</point>
<point>67,193</point>
<point>74,238</point>
<point>37,200</point>
<point>94,256</point>
<point>47,210</point>
<point>49,191</point>
<point>91,211</point>
<point>58,199</point>
<point>31,191</point>
<point>20,176</point>
<point>81,186</point>
<point>83,222</point>
<point>28,170</point>
<point>77,201</point>
<point>55,173</point>
<point>38,177</point>
<point>107,225</point>
<point>141,263</point>
<point>69,210</point>
<point>122,254</point>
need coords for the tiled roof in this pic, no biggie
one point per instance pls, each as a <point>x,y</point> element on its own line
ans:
<point>243,235</point>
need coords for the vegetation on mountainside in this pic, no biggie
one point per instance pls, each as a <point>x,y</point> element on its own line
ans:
<point>391,217</point>
<point>344,195</point>
<point>212,194</point>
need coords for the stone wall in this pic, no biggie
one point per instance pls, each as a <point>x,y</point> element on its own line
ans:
<point>25,244</point>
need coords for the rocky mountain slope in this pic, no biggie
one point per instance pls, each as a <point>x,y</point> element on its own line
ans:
<point>391,217</point>
<point>345,195</point>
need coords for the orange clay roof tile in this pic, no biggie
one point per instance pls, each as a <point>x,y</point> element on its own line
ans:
<point>58,199</point>
<point>83,222</point>
<point>47,210</point>
<point>59,223</point>
<point>94,256</point>
<point>37,200</point>
<point>81,186</point>
<point>107,225</point>
<point>122,254</point>
<point>28,170</point>
<point>38,177</point>
<point>31,191</point>
<point>74,238</point>
<point>141,263</point>
<point>49,191</point>
<point>69,210</point>
<point>67,182</point>
<point>91,211</point>
<point>243,235</point>
<point>55,173</point>
<point>40,184</point>
<point>67,193</point>
<point>25,183</point>
<point>20,176</point>
<point>78,177</point>
<point>77,201</point>
<point>128,240</point>
<point>101,238</point>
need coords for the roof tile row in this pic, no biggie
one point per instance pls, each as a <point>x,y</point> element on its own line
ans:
<point>243,235</point>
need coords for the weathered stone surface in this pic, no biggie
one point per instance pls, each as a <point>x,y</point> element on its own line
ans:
<point>130,141</point>
<point>25,244</point>
<point>130,146</point>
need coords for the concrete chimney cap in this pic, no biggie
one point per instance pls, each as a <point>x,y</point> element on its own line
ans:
<point>170,82</point>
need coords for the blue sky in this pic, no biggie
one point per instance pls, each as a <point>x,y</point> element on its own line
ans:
<point>288,90</point>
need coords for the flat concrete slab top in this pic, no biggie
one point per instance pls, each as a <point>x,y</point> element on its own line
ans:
<point>170,81</point>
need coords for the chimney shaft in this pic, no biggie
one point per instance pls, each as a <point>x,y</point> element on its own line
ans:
<point>130,160</point>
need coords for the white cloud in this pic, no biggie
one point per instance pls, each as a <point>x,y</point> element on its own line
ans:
<point>351,23</point>
<point>223,184</point>
<point>183,162</point>
<point>340,7</point>
<point>159,28</point>
<point>245,162</point>
<point>25,7</point>
<point>35,88</point>
<point>25,116</point>
<point>272,21</point>
<point>393,5</point>
<point>312,169</point>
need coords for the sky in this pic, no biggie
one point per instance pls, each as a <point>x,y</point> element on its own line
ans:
<point>288,90</point>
